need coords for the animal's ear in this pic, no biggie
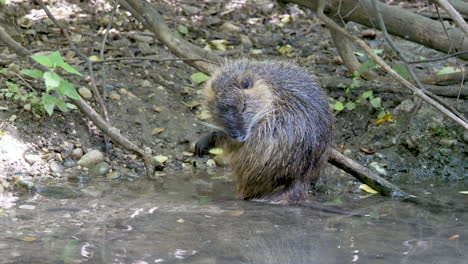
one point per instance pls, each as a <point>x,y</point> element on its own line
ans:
<point>246,83</point>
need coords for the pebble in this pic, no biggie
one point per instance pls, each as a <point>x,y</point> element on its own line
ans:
<point>77,153</point>
<point>210,163</point>
<point>27,207</point>
<point>229,27</point>
<point>85,93</point>
<point>221,161</point>
<point>100,169</point>
<point>68,163</point>
<point>114,96</point>
<point>91,158</point>
<point>31,158</point>
<point>55,166</point>
<point>146,83</point>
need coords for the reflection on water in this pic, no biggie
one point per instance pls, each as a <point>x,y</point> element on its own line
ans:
<point>189,218</point>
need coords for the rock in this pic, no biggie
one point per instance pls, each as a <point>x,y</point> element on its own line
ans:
<point>405,107</point>
<point>99,170</point>
<point>55,166</point>
<point>378,168</point>
<point>31,158</point>
<point>145,83</point>
<point>210,163</point>
<point>368,33</point>
<point>221,160</point>
<point>68,163</point>
<point>27,207</point>
<point>77,153</point>
<point>448,142</point>
<point>58,192</point>
<point>85,93</point>
<point>246,42</point>
<point>91,158</point>
<point>25,184</point>
<point>114,96</point>
<point>229,27</point>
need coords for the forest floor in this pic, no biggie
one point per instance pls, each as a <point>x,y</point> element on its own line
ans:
<point>158,107</point>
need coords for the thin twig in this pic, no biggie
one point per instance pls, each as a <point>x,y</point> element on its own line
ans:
<point>154,59</point>
<point>438,59</point>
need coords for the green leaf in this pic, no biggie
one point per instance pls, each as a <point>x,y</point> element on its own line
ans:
<point>447,70</point>
<point>62,105</point>
<point>71,106</point>
<point>67,89</point>
<point>44,60</point>
<point>52,80</point>
<point>350,106</point>
<point>341,85</point>
<point>355,83</point>
<point>33,73</point>
<point>49,102</point>
<point>55,58</point>
<point>199,77</point>
<point>67,67</point>
<point>402,70</point>
<point>367,65</point>
<point>382,113</point>
<point>12,87</point>
<point>182,29</point>
<point>347,90</point>
<point>367,94</point>
<point>338,106</point>
<point>375,102</point>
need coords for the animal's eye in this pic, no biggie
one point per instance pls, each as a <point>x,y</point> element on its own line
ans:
<point>246,84</point>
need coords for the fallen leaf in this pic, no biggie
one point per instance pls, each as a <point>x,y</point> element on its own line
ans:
<point>367,188</point>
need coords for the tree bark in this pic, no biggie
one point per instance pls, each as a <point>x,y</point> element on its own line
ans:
<point>399,22</point>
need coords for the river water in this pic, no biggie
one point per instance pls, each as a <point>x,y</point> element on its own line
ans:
<point>195,218</point>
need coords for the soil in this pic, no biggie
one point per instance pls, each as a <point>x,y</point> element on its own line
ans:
<point>149,95</point>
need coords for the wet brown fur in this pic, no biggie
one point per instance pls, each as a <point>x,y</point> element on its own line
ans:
<point>278,130</point>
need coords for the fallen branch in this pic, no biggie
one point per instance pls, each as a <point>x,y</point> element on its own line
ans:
<point>150,17</point>
<point>400,22</point>
<point>366,176</point>
<point>454,15</point>
<point>331,24</point>
<point>390,86</point>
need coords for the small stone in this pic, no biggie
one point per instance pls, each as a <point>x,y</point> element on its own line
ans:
<point>145,83</point>
<point>55,166</point>
<point>338,60</point>
<point>229,27</point>
<point>114,96</point>
<point>25,184</point>
<point>123,91</point>
<point>368,33</point>
<point>221,161</point>
<point>378,168</point>
<point>210,163</point>
<point>91,158</point>
<point>85,93</point>
<point>31,158</point>
<point>157,130</point>
<point>27,207</point>
<point>246,42</point>
<point>448,142</point>
<point>77,153</point>
<point>68,163</point>
<point>100,169</point>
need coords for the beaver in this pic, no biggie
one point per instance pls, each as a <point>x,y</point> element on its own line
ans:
<point>275,125</point>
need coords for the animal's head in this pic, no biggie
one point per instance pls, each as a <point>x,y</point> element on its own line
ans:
<point>238,98</point>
